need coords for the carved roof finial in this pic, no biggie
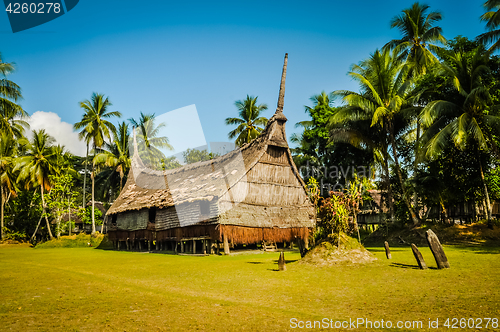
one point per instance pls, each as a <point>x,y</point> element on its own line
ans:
<point>281,98</point>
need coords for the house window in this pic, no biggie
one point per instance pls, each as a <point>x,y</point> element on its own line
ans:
<point>152,215</point>
<point>113,220</point>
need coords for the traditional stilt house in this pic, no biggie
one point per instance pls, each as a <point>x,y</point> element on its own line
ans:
<point>250,195</point>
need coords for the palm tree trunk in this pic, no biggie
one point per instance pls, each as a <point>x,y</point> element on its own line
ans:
<point>69,216</point>
<point>388,184</point>
<point>93,185</point>
<point>44,214</point>
<point>400,176</point>
<point>1,213</point>
<point>38,225</point>
<point>85,175</point>
<point>415,164</point>
<point>486,195</point>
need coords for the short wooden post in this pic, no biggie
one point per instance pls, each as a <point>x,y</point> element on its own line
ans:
<point>194,246</point>
<point>203,247</point>
<point>128,245</point>
<point>418,257</point>
<point>157,245</point>
<point>149,245</point>
<point>281,262</point>
<point>217,249</point>
<point>387,250</point>
<point>437,250</point>
<point>226,245</point>
<point>182,246</point>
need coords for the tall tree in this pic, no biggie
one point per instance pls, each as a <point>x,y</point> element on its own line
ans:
<point>470,121</point>
<point>117,155</point>
<point>386,96</point>
<point>418,37</point>
<point>11,114</point>
<point>149,140</point>
<point>250,123</point>
<point>492,19</point>
<point>37,165</point>
<point>97,129</point>
<point>8,153</point>
<point>418,45</point>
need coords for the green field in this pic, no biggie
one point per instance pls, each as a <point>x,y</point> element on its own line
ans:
<point>90,289</point>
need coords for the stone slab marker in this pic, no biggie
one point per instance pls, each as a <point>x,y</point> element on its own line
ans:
<point>418,257</point>
<point>437,250</point>
<point>281,262</point>
<point>387,250</point>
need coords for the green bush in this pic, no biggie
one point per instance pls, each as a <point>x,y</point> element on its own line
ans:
<point>74,241</point>
<point>13,235</point>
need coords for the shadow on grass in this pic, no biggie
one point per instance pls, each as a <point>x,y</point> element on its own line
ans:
<point>286,261</point>
<point>479,249</point>
<point>408,266</point>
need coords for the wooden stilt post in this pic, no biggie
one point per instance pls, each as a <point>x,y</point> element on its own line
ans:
<point>226,245</point>
<point>149,245</point>
<point>157,245</point>
<point>182,246</point>
<point>194,247</point>
<point>128,245</point>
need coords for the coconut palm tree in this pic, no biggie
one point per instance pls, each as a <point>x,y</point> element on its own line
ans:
<point>36,166</point>
<point>418,43</point>
<point>492,19</point>
<point>117,154</point>
<point>149,141</point>
<point>96,128</point>
<point>8,151</point>
<point>386,96</point>
<point>472,120</point>
<point>419,37</point>
<point>11,114</point>
<point>250,123</point>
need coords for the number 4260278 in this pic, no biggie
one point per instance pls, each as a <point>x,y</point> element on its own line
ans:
<point>33,8</point>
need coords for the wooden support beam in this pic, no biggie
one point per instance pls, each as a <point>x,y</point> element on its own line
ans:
<point>226,245</point>
<point>194,247</point>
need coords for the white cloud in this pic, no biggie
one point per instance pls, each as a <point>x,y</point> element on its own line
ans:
<point>60,130</point>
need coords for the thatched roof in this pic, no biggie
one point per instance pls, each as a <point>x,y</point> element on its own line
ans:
<point>204,180</point>
<point>378,204</point>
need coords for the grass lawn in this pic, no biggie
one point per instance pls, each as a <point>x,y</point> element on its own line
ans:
<point>87,289</point>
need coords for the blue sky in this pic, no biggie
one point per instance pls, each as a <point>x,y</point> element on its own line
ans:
<point>158,56</point>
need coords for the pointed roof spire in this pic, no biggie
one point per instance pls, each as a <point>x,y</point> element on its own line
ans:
<point>281,98</point>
